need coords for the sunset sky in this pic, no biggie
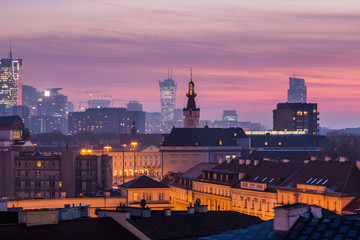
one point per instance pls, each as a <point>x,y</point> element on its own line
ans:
<point>242,52</point>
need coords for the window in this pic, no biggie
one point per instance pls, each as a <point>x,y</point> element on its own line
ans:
<point>37,173</point>
<point>60,184</point>
<point>38,163</point>
<point>16,134</point>
<point>161,196</point>
<point>148,196</point>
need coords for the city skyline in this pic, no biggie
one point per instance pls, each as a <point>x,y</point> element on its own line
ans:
<point>239,62</point>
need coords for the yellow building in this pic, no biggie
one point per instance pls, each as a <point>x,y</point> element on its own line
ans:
<point>139,161</point>
<point>327,183</point>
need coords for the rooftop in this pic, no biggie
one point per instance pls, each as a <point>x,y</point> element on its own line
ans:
<point>144,182</point>
<point>193,225</point>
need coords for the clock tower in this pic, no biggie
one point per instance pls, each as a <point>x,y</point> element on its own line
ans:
<point>191,113</point>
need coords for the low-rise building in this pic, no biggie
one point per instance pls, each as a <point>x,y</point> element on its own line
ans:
<point>331,184</point>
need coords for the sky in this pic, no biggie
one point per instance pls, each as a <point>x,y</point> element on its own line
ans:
<point>241,52</point>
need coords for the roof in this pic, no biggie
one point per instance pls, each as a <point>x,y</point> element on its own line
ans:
<point>235,165</point>
<point>203,137</point>
<point>258,231</point>
<point>193,225</point>
<point>144,182</point>
<point>196,171</point>
<point>336,176</point>
<point>325,228</point>
<point>353,206</point>
<point>272,173</point>
<point>89,228</point>
<point>11,122</point>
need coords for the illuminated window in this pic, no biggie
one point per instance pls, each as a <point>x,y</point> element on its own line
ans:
<point>305,113</point>
<point>314,111</point>
<point>60,184</point>
<point>38,163</point>
<point>220,142</point>
<point>294,118</point>
<point>234,134</point>
<point>280,143</point>
<point>136,196</point>
<point>299,113</point>
<point>16,134</point>
<point>266,143</point>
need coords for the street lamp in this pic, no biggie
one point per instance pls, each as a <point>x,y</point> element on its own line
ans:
<point>134,144</point>
<point>123,172</point>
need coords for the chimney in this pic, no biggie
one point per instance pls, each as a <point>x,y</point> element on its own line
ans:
<point>286,216</point>
<point>358,164</point>
<point>248,162</point>
<point>266,159</point>
<point>342,159</point>
<point>327,158</point>
<point>241,161</point>
<point>306,161</point>
<point>167,212</point>
<point>190,210</point>
<point>256,162</point>
<point>228,160</point>
<point>313,158</point>
<point>285,160</point>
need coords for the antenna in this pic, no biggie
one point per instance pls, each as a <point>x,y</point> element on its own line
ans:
<point>168,73</point>
<point>171,73</point>
<point>191,73</point>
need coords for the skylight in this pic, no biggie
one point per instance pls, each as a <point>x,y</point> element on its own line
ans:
<point>264,179</point>
<point>325,181</point>
<point>309,180</point>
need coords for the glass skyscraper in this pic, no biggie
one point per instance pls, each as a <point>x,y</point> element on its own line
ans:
<point>297,90</point>
<point>10,79</point>
<point>168,98</point>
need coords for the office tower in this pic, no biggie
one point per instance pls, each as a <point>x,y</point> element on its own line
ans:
<point>52,103</point>
<point>29,98</point>
<point>191,113</point>
<point>98,103</point>
<point>51,112</point>
<point>296,117</point>
<point>10,79</point>
<point>297,90</point>
<point>178,114</point>
<point>167,98</point>
<point>106,120</point>
<point>70,107</point>
<point>229,116</point>
<point>134,106</point>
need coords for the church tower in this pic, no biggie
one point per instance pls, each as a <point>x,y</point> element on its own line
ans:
<point>191,113</point>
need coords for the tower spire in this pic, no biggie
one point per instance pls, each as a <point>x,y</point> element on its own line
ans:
<point>10,53</point>
<point>191,74</point>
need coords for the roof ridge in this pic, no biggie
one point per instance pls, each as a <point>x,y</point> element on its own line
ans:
<point>347,178</point>
<point>294,173</point>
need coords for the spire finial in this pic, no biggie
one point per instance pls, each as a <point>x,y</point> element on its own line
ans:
<point>10,53</point>
<point>168,73</point>
<point>191,73</point>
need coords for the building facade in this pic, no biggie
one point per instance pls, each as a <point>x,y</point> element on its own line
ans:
<point>11,81</point>
<point>106,120</point>
<point>297,90</point>
<point>230,116</point>
<point>41,176</point>
<point>167,98</point>
<point>296,117</point>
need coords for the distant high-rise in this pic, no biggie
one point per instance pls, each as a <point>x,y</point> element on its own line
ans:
<point>52,103</point>
<point>297,90</point>
<point>229,116</point>
<point>168,98</point>
<point>296,117</point>
<point>134,106</point>
<point>98,103</point>
<point>10,79</point>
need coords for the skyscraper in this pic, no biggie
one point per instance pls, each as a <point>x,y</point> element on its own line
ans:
<point>10,81</point>
<point>167,98</point>
<point>229,116</point>
<point>297,90</point>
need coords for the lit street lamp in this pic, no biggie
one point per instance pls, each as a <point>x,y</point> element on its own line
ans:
<point>134,144</point>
